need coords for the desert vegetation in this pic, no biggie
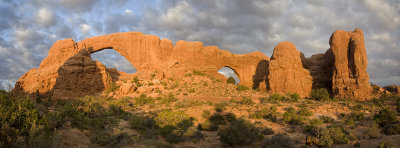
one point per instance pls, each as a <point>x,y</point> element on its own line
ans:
<point>194,117</point>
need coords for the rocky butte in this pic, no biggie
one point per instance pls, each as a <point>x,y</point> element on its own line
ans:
<point>69,71</point>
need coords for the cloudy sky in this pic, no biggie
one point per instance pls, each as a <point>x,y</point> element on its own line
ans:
<point>28,28</point>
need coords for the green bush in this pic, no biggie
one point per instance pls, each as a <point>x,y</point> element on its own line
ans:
<point>111,138</point>
<point>21,125</point>
<point>267,131</point>
<point>206,114</point>
<point>167,121</point>
<point>242,88</point>
<point>371,132</point>
<point>208,126</point>
<point>240,133</point>
<point>291,117</point>
<point>385,116</point>
<point>199,73</point>
<point>294,97</point>
<point>230,117</point>
<point>325,137</point>
<point>278,141</point>
<point>143,100</point>
<point>269,114</point>
<point>391,129</point>
<point>231,80</point>
<point>217,119</point>
<point>319,94</point>
<point>188,103</point>
<point>305,112</point>
<point>246,101</point>
<point>312,125</point>
<point>327,119</point>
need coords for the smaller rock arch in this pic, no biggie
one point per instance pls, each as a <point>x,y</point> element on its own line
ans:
<point>228,72</point>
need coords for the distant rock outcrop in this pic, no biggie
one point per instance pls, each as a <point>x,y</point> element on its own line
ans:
<point>393,88</point>
<point>68,71</point>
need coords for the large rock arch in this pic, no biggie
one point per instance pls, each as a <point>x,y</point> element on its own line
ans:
<point>147,53</point>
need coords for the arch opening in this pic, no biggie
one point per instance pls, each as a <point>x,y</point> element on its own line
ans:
<point>229,72</point>
<point>111,58</point>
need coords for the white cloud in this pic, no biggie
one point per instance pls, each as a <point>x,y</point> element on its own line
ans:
<point>46,17</point>
<point>84,28</point>
<point>128,12</point>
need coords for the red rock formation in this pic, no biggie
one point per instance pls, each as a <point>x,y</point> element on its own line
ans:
<point>147,53</point>
<point>286,72</point>
<point>393,89</point>
<point>68,70</point>
<point>347,59</point>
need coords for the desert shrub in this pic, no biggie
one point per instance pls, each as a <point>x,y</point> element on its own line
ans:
<point>387,144</point>
<point>198,73</point>
<point>327,119</point>
<point>325,137</point>
<point>239,133</point>
<point>219,109</point>
<point>312,125</point>
<point>385,116</point>
<point>349,122</point>
<point>188,103</point>
<point>112,87</point>
<point>269,114</point>
<point>305,112</point>
<point>231,80</point>
<point>278,141</point>
<point>167,121</point>
<point>357,116</point>
<point>357,107</point>
<point>168,99</point>
<point>208,126</point>
<point>291,117</point>
<point>21,125</point>
<point>371,131</point>
<point>242,88</point>
<point>143,100</point>
<point>117,111</point>
<point>246,101</point>
<point>230,117</point>
<point>267,131</point>
<point>391,129</point>
<point>319,94</point>
<point>217,119</point>
<point>206,114</point>
<point>294,97</point>
<point>111,138</point>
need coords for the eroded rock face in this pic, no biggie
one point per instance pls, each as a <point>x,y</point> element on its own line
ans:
<point>80,76</point>
<point>68,71</point>
<point>286,72</point>
<point>347,59</point>
<point>147,53</point>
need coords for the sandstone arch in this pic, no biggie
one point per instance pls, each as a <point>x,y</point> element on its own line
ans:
<point>342,69</point>
<point>230,71</point>
<point>147,53</point>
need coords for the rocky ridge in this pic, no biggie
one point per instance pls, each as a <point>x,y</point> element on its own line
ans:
<point>68,71</point>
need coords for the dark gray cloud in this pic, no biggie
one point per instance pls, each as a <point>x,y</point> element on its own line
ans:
<point>29,28</point>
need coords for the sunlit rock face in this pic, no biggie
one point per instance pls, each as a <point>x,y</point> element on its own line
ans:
<point>69,71</point>
<point>147,53</point>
